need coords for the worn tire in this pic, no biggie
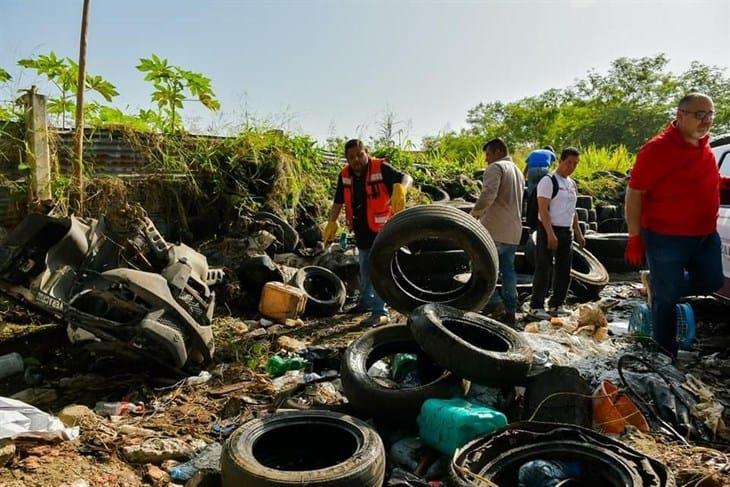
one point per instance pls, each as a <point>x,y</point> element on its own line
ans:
<point>582,214</point>
<point>375,400</point>
<point>436,194</point>
<point>254,272</point>
<point>587,275</point>
<point>583,227</point>
<point>325,291</point>
<point>343,452</point>
<point>584,201</point>
<point>607,245</point>
<point>613,225</point>
<point>593,226</point>
<point>497,456</point>
<point>470,345</point>
<point>290,236</point>
<point>310,236</point>
<point>592,215</point>
<point>604,212</point>
<point>437,222</point>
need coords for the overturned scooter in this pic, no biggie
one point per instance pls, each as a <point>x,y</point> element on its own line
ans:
<point>131,294</point>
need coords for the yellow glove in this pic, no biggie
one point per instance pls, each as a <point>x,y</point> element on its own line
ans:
<point>330,231</point>
<point>398,198</point>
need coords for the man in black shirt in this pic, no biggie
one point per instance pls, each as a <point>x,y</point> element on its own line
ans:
<point>371,191</point>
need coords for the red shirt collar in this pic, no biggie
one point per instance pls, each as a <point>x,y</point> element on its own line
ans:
<point>673,132</point>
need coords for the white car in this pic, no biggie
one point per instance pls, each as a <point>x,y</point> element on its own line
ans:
<point>721,148</point>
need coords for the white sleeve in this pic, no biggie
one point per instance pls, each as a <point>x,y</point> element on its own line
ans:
<point>545,187</point>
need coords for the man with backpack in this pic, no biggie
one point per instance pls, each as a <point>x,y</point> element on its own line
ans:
<point>556,196</point>
<point>499,208</point>
<point>537,166</point>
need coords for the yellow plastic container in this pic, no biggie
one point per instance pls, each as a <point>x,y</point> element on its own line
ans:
<point>281,301</point>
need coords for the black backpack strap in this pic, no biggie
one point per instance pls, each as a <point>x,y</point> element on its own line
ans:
<point>556,188</point>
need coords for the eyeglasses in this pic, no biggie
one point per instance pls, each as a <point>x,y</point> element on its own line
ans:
<point>701,114</point>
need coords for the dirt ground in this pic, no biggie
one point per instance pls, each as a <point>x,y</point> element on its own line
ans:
<point>238,391</point>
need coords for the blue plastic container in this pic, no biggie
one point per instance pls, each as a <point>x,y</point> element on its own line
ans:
<point>640,323</point>
<point>448,424</point>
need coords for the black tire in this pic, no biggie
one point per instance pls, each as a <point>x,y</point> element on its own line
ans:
<point>587,275</point>
<point>612,225</point>
<point>290,236</point>
<point>604,212</point>
<point>470,345</point>
<point>607,245</point>
<point>582,214</point>
<point>583,227</point>
<point>310,236</point>
<point>315,448</point>
<point>325,291</point>
<point>433,270</point>
<point>436,194</point>
<point>592,215</point>
<point>498,456</point>
<point>373,399</point>
<point>438,222</point>
<point>461,204</point>
<point>479,174</point>
<point>593,226</point>
<point>584,201</point>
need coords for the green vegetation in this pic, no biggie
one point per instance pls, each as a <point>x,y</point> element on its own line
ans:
<point>608,116</point>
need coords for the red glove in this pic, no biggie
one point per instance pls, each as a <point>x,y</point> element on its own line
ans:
<point>635,250</point>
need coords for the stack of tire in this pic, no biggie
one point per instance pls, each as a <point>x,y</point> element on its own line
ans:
<point>587,215</point>
<point>452,346</point>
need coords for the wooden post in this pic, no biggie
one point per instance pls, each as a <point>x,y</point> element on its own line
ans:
<point>77,178</point>
<point>36,136</point>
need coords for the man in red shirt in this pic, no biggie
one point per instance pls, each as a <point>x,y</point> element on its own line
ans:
<point>672,203</point>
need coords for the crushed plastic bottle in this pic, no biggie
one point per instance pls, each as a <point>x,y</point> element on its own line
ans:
<point>544,473</point>
<point>119,408</point>
<point>209,458</point>
<point>278,365</point>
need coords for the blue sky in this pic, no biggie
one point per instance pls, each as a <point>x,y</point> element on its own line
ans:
<point>337,67</point>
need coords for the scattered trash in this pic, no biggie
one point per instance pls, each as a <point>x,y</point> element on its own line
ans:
<point>278,365</point>
<point>157,476</point>
<point>208,458</point>
<point>448,424</point>
<point>281,301</point>
<point>7,452</point>
<point>37,396</point>
<point>21,420</point>
<point>119,408</point>
<point>223,431</point>
<point>290,344</point>
<point>543,473</point>
<point>203,377</point>
<point>613,410</point>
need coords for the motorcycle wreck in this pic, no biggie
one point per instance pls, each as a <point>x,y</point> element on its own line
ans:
<point>130,293</point>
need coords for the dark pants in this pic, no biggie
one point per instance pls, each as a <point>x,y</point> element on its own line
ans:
<point>680,266</point>
<point>552,262</point>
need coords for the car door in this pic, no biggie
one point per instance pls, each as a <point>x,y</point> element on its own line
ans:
<point>722,154</point>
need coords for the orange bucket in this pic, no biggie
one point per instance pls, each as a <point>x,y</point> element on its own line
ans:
<point>613,410</point>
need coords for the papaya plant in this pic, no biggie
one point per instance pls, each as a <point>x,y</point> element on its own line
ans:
<point>173,86</point>
<point>62,72</point>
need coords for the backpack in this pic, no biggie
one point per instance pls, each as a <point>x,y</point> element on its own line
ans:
<point>531,219</point>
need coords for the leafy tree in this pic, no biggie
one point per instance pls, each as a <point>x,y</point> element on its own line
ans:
<point>63,74</point>
<point>6,109</point>
<point>173,86</point>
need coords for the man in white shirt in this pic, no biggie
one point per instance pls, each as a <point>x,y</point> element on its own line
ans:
<point>557,195</point>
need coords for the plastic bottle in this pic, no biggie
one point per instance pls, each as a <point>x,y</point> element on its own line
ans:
<point>343,240</point>
<point>208,458</point>
<point>277,365</point>
<point>543,473</point>
<point>11,364</point>
<point>119,408</point>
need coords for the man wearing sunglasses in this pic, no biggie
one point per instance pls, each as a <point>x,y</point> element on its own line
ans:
<point>672,203</point>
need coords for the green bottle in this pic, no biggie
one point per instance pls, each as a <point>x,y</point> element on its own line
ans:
<point>278,366</point>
